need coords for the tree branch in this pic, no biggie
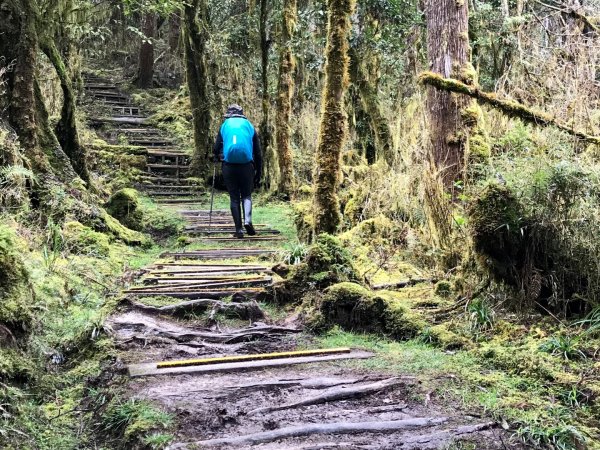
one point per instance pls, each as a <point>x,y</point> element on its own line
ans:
<point>509,107</point>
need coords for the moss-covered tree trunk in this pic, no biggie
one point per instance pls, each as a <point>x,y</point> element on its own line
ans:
<point>332,131</point>
<point>367,92</point>
<point>19,43</point>
<point>195,16</point>
<point>146,55</point>
<point>265,135</point>
<point>449,55</point>
<point>66,128</point>
<point>285,91</point>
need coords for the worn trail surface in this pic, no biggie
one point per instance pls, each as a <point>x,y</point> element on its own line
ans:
<point>205,303</point>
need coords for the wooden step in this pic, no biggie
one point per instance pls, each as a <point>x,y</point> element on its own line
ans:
<point>120,120</point>
<point>168,166</point>
<point>172,193</point>
<point>152,143</point>
<point>149,177</point>
<point>95,86</point>
<point>127,110</point>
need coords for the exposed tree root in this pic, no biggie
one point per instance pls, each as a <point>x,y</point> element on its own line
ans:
<point>336,394</point>
<point>509,107</point>
<point>312,429</point>
<point>129,325</point>
<point>433,440</point>
<point>245,311</point>
<point>307,383</point>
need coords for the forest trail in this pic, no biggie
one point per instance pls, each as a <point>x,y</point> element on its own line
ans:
<point>207,301</point>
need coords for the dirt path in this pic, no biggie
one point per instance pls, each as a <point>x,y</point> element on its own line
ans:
<point>203,303</point>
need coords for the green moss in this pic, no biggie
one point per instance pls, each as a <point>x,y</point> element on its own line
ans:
<point>303,220</point>
<point>123,233</point>
<point>499,230</point>
<point>124,205</point>
<point>15,293</point>
<point>402,322</point>
<point>14,365</point>
<point>446,336</point>
<point>443,288</point>
<point>81,239</point>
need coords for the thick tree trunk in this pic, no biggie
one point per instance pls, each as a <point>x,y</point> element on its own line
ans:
<point>194,46</point>
<point>66,129</point>
<point>285,90</point>
<point>449,55</point>
<point>332,130</point>
<point>20,43</point>
<point>265,135</point>
<point>146,56</point>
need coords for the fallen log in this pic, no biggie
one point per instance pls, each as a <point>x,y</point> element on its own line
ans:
<point>509,107</point>
<point>246,310</point>
<point>312,429</point>
<point>336,394</point>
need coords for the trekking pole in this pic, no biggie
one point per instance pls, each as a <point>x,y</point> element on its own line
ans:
<point>212,196</point>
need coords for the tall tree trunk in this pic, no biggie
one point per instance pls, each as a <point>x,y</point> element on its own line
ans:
<point>369,98</point>
<point>195,49</point>
<point>20,43</point>
<point>146,56</point>
<point>449,55</point>
<point>285,91</point>
<point>332,131</point>
<point>66,129</point>
<point>265,135</point>
<point>174,32</point>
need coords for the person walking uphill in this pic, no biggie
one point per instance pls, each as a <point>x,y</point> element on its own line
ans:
<point>238,147</point>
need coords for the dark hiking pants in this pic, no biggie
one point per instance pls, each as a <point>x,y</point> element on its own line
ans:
<point>239,179</point>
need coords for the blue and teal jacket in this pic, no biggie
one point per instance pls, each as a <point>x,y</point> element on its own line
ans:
<point>238,143</point>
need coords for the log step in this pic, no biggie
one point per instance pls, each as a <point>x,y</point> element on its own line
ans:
<point>171,193</point>
<point>167,166</point>
<point>219,253</point>
<point>214,294</point>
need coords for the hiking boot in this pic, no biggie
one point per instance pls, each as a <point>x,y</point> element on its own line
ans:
<point>250,229</point>
<point>238,234</point>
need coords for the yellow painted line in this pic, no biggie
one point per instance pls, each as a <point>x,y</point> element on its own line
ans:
<point>242,358</point>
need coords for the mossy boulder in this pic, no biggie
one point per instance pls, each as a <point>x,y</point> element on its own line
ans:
<point>379,229</point>
<point>79,238</point>
<point>326,263</point>
<point>353,308</point>
<point>500,232</point>
<point>124,205</point>
<point>15,290</point>
<point>121,232</point>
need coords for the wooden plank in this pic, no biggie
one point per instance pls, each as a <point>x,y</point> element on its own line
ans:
<point>256,357</point>
<point>150,369</point>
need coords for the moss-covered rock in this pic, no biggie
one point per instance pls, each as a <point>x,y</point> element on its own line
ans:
<point>499,230</point>
<point>353,308</point>
<point>127,235</point>
<point>81,239</point>
<point>15,292</point>
<point>124,205</point>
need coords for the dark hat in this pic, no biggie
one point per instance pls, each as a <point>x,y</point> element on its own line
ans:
<point>234,110</point>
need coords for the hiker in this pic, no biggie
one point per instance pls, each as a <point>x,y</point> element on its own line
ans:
<point>238,147</point>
